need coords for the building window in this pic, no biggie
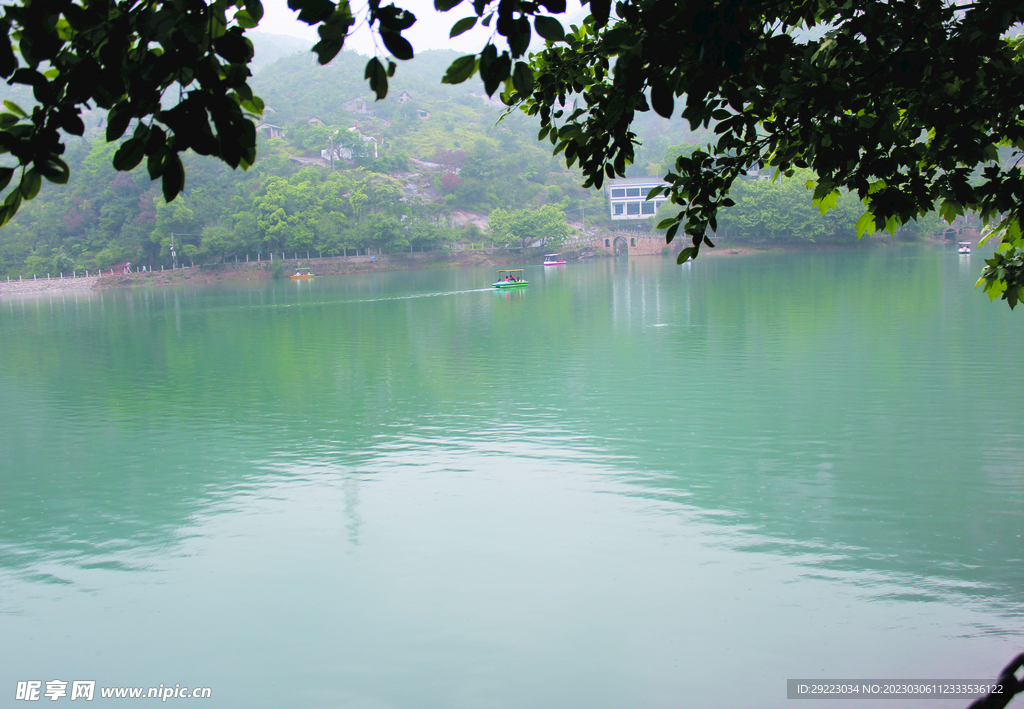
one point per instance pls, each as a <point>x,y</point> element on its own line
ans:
<point>633,192</point>
<point>617,208</point>
<point>607,242</point>
<point>618,193</point>
<point>632,242</point>
<point>632,208</point>
<point>647,207</point>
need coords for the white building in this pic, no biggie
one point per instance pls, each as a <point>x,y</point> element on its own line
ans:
<point>627,197</point>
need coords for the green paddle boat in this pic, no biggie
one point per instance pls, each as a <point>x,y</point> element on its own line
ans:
<point>511,278</point>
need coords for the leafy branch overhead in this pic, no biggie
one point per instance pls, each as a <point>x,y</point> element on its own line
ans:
<point>912,105</point>
<point>906,104</point>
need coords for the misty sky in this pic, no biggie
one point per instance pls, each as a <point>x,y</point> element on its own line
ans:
<point>430,31</point>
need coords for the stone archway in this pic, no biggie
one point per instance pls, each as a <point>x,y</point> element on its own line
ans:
<point>621,246</point>
<point>950,234</point>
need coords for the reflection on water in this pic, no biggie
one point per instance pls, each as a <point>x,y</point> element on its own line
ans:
<point>609,489</point>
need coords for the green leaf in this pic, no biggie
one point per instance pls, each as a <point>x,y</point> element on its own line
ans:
<point>494,72</point>
<point>601,9</point>
<point>662,97</point>
<point>245,20</point>
<point>518,35</point>
<point>10,208</point>
<point>866,224</point>
<point>54,170</point>
<point>378,77</point>
<point>950,210</point>
<point>255,105</point>
<point>155,163</point>
<point>463,25</point>
<point>827,202</point>
<point>255,9</point>
<point>173,177</point>
<point>398,46</point>
<point>445,5</point>
<point>129,155</point>
<point>234,47</point>
<point>327,49</point>
<point>156,141</point>
<point>312,11</point>
<point>14,108</point>
<point>5,176</point>
<point>31,181</point>
<point>686,254</point>
<point>522,79</point>
<point>8,60</point>
<point>118,119</point>
<point>549,28</point>
<point>460,70</point>
<point>13,198</point>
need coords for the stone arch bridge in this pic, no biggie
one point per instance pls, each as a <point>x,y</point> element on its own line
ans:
<point>624,243</point>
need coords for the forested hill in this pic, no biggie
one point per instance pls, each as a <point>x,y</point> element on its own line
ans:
<point>421,169</point>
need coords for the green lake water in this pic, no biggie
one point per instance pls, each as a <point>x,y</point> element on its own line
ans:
<point>631,485</point>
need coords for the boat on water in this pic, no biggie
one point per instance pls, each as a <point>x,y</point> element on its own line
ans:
<point>965,247</point>
<point>512,278</point>
<point>553,260</point>
<point>303,274</point>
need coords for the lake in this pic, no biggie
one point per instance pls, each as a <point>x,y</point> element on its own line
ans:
<point>632,484</point>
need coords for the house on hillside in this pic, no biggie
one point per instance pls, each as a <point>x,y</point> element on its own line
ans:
<point>356,105</point>
<point>269,130</point>
<point>422,113</point>
<point>343,153</point>
<point>368,139</point>
<point>627,197</point>
<point>404,97</point>
<point>314,121</point>
<point>340,153</point>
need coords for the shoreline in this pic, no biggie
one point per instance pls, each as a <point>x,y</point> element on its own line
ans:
<point>340,265</point>
<point>51,285</point>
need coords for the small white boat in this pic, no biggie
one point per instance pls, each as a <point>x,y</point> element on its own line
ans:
<point>965,247</point>
<point>554,260</point>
